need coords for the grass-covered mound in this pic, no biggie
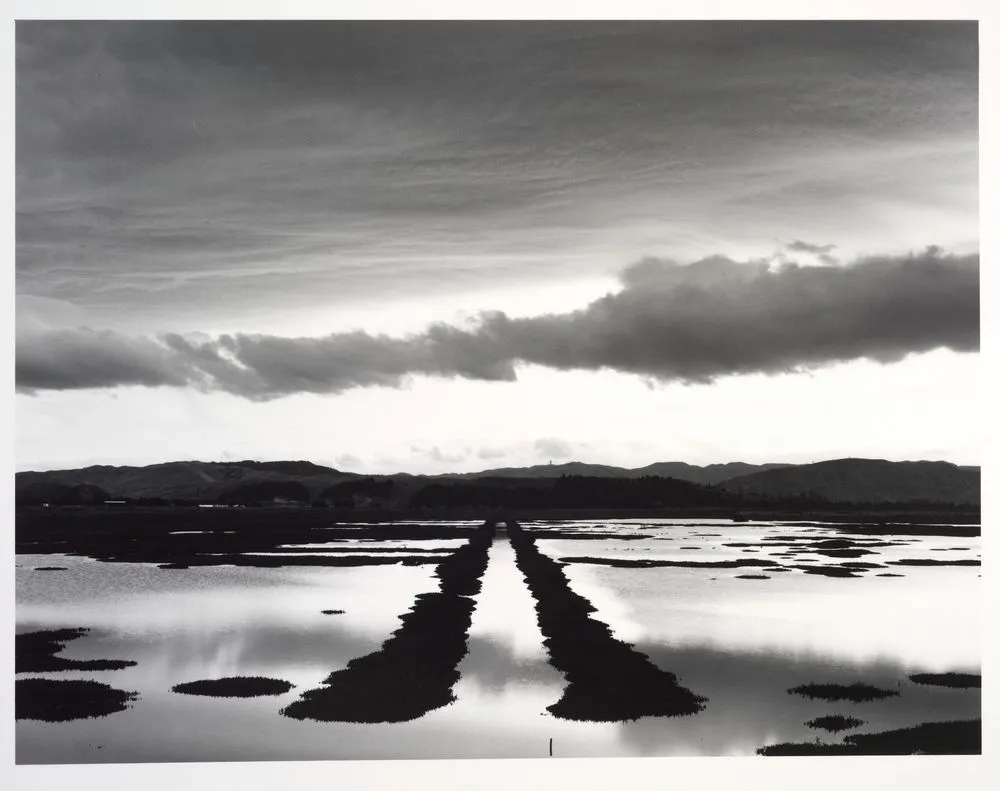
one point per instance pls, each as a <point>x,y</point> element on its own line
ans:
<point>415,669</point>
<point>930,738</point>
<point>235,687</point>
<point>835,723</point>
<point>955,680</point>
<point>608,680</point>
<point>61,701</point>
<point>36,652</point>
<point>856,693</point>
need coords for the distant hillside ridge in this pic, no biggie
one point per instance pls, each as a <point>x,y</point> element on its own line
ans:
<point>710,474</point>
<point>866,481</point>
<point>849,481</point>
<point>179,480</point>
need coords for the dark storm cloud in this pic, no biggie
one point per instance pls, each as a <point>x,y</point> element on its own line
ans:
<point>798,246</point>
<point>668,322</point>
<point>83,358</point>
<point>171,170</point>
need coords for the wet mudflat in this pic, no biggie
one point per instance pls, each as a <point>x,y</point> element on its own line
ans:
<point>432,655</point>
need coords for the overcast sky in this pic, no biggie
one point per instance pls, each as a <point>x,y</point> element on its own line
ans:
<point>450,246</point>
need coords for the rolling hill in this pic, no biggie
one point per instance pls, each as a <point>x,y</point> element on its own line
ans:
<point>865,481</point>
<point>181,480</point>
<point>710,474</point>
<point>853,481</point>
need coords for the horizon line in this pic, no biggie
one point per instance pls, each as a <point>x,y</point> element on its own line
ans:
<point>237,462</point>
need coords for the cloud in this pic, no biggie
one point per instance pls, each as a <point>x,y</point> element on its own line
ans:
<point>435,454</point>
<point>669,322</point>
<point>71,359</point>
<point>798,246</point>
<point>179,174</point>
<point>348,461</point>
<point>554,448</point>
<point>491,453</point>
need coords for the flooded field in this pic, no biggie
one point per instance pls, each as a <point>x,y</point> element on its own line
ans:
<point>452,640</point>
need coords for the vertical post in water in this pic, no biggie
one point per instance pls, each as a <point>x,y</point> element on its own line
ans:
<point>550,748</point>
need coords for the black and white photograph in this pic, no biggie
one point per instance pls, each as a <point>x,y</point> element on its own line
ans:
<point>401,388</point>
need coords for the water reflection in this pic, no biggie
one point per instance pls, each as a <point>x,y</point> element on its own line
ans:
<point>749,704</point>
<point>740,643</point>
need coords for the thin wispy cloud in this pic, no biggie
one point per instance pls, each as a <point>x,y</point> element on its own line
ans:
<point>174,174</point>
<point>669,322</point>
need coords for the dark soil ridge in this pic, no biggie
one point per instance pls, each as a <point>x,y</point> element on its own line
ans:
<point>807,542</point>
<point>61,701</point>
<point>569,535</point>
<point>953,680</point>
<point>235,687</point>
<point>933,562</point>
<point>963,737</point>
<point>608,680</point>
<point>36,652</point>
<point>271,562</point>
<point>185,536</point>
<point>855,693</point>
<point>912,529</point>
<point>362,550</point>
<point>416,668</point>
<point>691,564</point>
<point>835,723</point>
<point>829,571</point>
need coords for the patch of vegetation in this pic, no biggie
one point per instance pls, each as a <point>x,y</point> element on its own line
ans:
<point>415,669</point>
<point>843,553</point>
<point>752,577</point>
<point>608,680</point>
<point>691,564</point>
<point>51,568</point>
<point>835,723</point>
<point>584,536</point>
<point>36,652</point>
<point>235,687</point>
<point>930,738</point>
<point>332,612</point>
<point>828,571</point>
<point>856,693</point>
<point>61,701</point>
<point>955,680</point>
<point>176,538</point>
<point>279,561</point>
<point>933,562</point>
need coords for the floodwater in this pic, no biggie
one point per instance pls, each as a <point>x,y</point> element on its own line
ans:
<point>741,643</point>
